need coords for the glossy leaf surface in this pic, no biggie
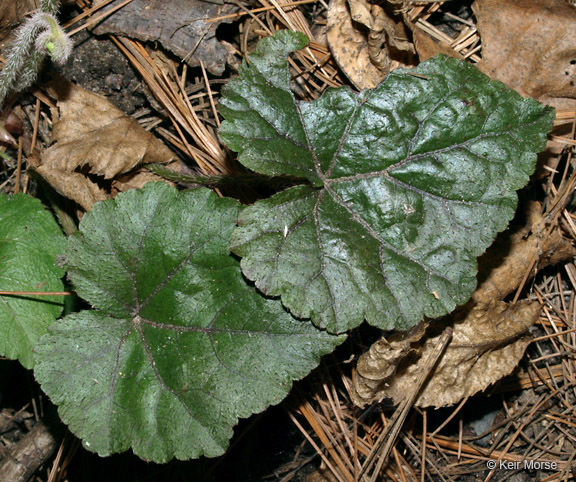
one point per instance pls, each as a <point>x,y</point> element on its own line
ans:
<point>408,184</point>
<point>178,346</point>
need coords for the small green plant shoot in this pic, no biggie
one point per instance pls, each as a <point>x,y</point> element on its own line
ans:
<point>404,187</point>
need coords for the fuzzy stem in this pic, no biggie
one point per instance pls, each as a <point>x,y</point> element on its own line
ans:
<point>50,6</point>
<point>39,35</point>
<point>5,156</point>
<point>23,61</point>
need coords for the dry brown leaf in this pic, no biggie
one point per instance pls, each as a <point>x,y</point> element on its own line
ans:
<point>91,137</point>
<point>530,45</point>
<point>426,47</point>
<point>361,37</point>
<point>503,267</point>
<point>179,25</point>
<point>350,48</point>
<point>12,13</point>
<point>133,180</point>
<point>487,343</point>
<point>360,13</point>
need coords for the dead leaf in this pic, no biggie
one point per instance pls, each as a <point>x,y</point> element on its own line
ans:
<point>133,180</point>
<point>503,267</point>
<point>349,48</point>
<point>487,343</point>
<point>530,45</point>
<point>426,47</point>
<point>362,38</point>
<point>360,13</point>
<point>93,139</point>
<point>12,13</point>
<point>178,25</point>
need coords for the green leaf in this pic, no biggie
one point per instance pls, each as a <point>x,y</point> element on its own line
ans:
<point>408,184</point>
<point>179,346</point>
<point>30,242</point>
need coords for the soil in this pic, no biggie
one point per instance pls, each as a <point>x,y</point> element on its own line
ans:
<point>98,66</point>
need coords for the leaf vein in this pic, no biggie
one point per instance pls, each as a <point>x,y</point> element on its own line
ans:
<point>356,216</point>
<point>184,262</point>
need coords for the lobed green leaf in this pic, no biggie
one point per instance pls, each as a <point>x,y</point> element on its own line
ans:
<point>408,184</point>
<point>178,346</point>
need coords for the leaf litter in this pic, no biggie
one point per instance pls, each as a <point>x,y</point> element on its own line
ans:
<point>366,58</point>
<point>180,26</point>
<point>454,455</point>
<point>529,45</point>
<point>11,14</point>
<point>487,343</point>
<point>92,138</point>
<point>504,266</point>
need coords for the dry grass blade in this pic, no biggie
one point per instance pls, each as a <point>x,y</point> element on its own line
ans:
<point>383,445</point>
<point>18,166</point>
<point>209,155</point>
<point>260,10</point>
<point>94,20</point>
<point>36,293</point>
<point>314,64</point>
<point>557,202</point>
<point>322,425</point>
<point>293,19</point>
<point>466,44</point>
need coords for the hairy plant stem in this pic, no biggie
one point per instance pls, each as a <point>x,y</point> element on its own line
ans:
<point>38,36</point>
<point>50,6</point>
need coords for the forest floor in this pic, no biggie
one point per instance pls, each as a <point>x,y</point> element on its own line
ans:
<point>164,64</point>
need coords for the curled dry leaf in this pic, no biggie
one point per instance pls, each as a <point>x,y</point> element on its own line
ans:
<point>503,267</point>
<point>92,138</point>
<point>361,37</point>
<point>349,48</point>
<point>530,46</point>
<point>488,342</point>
